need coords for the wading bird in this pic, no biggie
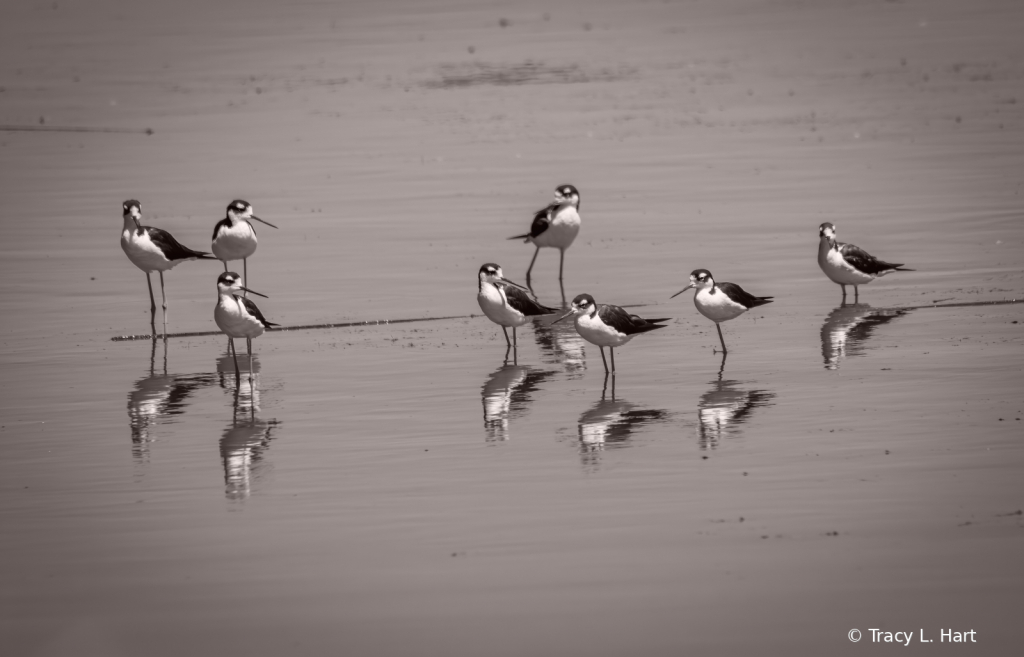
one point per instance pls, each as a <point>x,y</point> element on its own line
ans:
<point>152,249</point>
<point>234,237</point>
<point>506,303</point>
<point>607,326</point>
<point>238,316</point>
<point>846,264</point>
<point>555,226</point>
<point>720,302</point>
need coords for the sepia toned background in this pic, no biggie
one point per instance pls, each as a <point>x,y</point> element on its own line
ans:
<point>396,489</point>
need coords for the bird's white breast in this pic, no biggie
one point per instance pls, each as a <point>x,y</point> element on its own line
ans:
<point>716,305</point>
<point>143,252</point>
<point>232,318</point>
<point>593,330</point>
<point>494,304</point>
<point>837,269</point>
<point>563,230</point>
<point>235,242</point>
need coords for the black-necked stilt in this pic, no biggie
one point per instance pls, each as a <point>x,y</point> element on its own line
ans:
<point>720,302</point>
<point>234,237</point>
<point>846,264</point>
<point>607,326</point>
<point>555,226</point>
<point>152,249</point>
<point>238,316</point>
<point>506,303</point>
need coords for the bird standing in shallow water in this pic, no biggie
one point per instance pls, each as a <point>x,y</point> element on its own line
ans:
<point>846,264</point>
<point>506,303</point>
<point>238,316</point>
<point>152,249</point>
<point>607,326</point>
<point>555,226</point>
<point>234,237</point>
<point>720,302</point>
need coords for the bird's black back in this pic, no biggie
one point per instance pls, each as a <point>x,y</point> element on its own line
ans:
<point>524,303</point>
<point>741,296</point>
<point>254,310</point>
<point>223,223</point>
<point>627,324</point>
<point>542,220</point>
<point>863,261</point>
<point>171,247</point>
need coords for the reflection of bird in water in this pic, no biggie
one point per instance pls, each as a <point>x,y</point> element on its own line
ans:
<point>722,409</point>
<point>244,441</point>
<point>226,372</point>
<point>610,422</point>
<point>158,397</point>
<point>561,344</point>
<point>848,327</point>
<point>506,394</point>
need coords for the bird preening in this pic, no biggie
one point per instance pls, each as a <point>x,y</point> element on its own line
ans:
<point>554,226</point>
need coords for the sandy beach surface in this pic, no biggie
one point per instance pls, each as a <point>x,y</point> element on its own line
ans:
<point>403,488</point>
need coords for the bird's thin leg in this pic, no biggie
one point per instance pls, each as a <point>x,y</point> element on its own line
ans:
<point>152,301</point>
<point>604,389</point>
<point>856,294</point>
<point>507,341</point>
<point>252,393</point>
<point>612,349</point>
<point>514,344</point>
<point>163,297</point>
<point>603,360</point>
<point>530,269</point>
<point>719,327</point>
<point>248,346</point>
<point>245,275</point>
<point>561,263</point>
<point>508,350</point>
<point>844,292</point>
<point>234,355</point>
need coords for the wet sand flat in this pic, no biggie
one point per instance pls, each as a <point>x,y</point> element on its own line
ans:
<point>402,488</point>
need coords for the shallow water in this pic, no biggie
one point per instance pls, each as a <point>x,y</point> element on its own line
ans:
<point>411,488</point>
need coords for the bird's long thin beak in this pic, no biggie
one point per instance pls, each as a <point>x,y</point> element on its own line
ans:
<point>253,292</point>
<point>262,221</point>
<point>508,282</point>
<point>682,290</point>
<point>568,314</point>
